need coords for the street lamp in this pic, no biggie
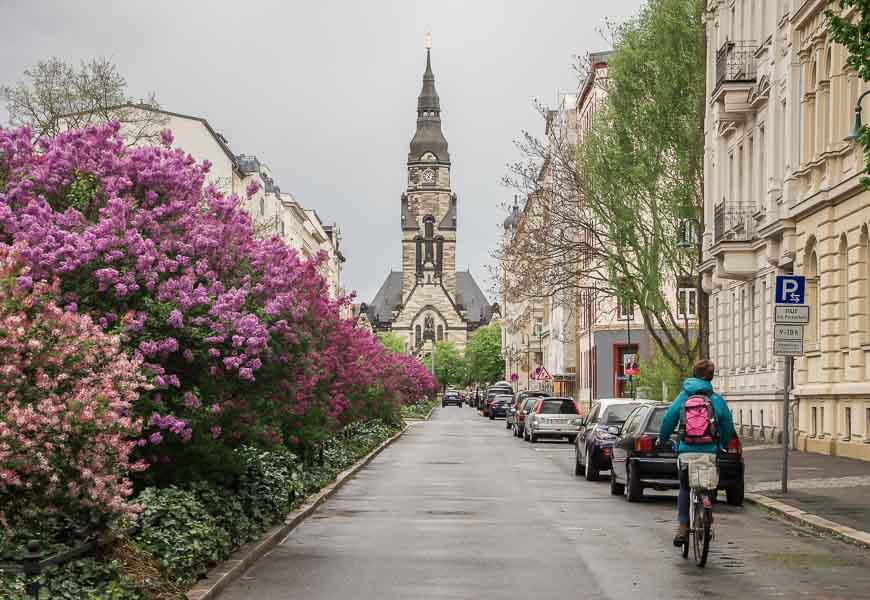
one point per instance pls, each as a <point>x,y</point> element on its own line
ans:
<point>855,134</point>
<point>688,238</point>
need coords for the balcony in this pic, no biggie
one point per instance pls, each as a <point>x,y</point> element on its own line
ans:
<point>734,234</point>
<point>733,223</point>
<point>735,62</point>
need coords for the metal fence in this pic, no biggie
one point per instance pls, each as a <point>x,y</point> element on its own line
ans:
<point>733,222</point>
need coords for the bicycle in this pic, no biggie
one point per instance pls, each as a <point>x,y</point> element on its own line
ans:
<point>703,472</point>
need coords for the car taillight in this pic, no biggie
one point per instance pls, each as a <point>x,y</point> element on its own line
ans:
<point>605,451</point>
<point>644,443</point>
<point>734,446</point>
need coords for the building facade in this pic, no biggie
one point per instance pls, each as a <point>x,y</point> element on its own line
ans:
<point>429,300</point>
<point>273,212</point>
<point>783,196</point>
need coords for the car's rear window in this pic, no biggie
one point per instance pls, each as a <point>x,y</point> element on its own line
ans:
<point>558,407</point>
<point>504,398</point>
<point>655,422</point>
<point>617,413</point>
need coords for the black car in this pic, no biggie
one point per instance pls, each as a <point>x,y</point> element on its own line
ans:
<point>491,393</point>
<point>500,405</point>
<point>639,463</point>
<point>451,398</point>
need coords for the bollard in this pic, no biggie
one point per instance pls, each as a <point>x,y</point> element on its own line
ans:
<point>32,569</point>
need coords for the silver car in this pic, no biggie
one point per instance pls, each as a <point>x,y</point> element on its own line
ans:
<point>552,418</point>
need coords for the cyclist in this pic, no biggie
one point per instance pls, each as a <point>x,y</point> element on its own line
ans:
<point>697,385</point>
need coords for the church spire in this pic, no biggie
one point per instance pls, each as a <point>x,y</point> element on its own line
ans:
<point>429,137</point>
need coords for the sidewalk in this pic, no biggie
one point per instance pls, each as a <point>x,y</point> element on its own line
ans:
<point>825,492</point>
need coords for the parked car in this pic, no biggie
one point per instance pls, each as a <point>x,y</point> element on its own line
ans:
<point>500,388</point>
<point>638,463</point>
<point>515,410</point>
<point>551,418</point>
<point>527,406</point>
<point>451,397</point>
<point>596,433</point>
<point>500,405</point>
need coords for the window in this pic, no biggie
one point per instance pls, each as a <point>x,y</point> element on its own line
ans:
<point>625,308</point>
<point>762,303</point>
<point>617,413</point>
<point>815,422</point>
<point>762,171</point>
<point>866,425</point>
<point>848,428</point>
<point>633,421</point>
<point>843,259</point>
<point>655,423</point>
<point>440,333</point>
<point>865,277</point>
<point>750,167</point>
<point>560,406</point>
<point>761,419</point>
<point>687,303</point>
<point>262,205</point>
<point>821,422</point>
<point>538,328</point>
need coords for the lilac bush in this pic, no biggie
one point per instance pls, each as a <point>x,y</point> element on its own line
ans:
<point>239,337</point>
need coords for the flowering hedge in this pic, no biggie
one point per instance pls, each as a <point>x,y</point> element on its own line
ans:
<point>66,424</point>
<point>237,334</point>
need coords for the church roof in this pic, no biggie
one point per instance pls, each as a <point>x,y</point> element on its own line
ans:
<point>477,306</point>
<point>429,137</point>
<point>390,295</point>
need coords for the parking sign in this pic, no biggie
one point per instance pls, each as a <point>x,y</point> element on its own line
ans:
<point>790,289</point>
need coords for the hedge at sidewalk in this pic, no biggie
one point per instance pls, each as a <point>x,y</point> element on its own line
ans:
<point>187,529</point>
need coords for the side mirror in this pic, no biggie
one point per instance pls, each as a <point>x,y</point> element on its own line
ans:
<point>513,411</point>
<point>613,430</point>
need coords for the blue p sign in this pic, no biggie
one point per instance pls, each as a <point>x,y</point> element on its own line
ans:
<point>790,289</point>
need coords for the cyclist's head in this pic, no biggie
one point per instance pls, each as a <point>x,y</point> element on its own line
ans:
<point>704,369</point>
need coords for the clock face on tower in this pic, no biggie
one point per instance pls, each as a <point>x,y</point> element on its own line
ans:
<point>428,176</point>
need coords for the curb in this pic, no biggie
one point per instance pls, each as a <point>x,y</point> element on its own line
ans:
<point>820,524</point>
<point>220,577</point>
<point>426,418</point>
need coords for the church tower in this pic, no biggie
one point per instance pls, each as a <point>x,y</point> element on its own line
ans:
<point>428,300</point>
<point>428,204</point>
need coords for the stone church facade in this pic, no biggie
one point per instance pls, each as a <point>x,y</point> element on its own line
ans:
<point>428,299</point>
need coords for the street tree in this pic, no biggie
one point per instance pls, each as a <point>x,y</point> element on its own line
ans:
<point>55,96</point>
<point>853,32</point>
<point>393,342</point>
<point>483,355</point>
<point>449,364</point>
<point>604,212</point>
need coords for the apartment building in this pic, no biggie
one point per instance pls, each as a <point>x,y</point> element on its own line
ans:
<point>273,212</point>
<point>782,196</point>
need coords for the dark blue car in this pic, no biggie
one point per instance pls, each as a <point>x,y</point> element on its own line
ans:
<point>598,430</point>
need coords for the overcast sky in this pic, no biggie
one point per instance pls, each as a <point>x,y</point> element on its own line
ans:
<point>324,91</point>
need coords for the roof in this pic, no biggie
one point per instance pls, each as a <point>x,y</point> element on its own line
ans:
<point>429,137</point>
<point>387,298</point>
<point>449,221</point>
<point>477,306</point>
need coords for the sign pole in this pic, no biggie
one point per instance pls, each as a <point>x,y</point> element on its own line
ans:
<point>786,377</point>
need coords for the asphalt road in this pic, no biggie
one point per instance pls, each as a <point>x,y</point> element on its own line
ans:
<point>459,508</point>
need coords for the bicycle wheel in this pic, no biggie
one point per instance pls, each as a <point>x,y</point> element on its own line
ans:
<point>701,533</point>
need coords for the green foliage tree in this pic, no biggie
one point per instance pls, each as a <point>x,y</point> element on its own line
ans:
<point>483,355</point>
<point>641,168</point>
<point>450,366</point>
<point>393,342</point>
<point>660,379</point>
<point>853,32</point>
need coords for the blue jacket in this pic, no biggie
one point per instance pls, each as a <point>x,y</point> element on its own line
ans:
<point>694,387</point>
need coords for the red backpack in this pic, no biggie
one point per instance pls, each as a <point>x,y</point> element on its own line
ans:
<point>698,421</point>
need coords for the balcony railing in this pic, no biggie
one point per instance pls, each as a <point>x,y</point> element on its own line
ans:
<point>735,62</point>
<point>733,223</point>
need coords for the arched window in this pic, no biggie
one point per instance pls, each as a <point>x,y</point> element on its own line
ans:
<point>439,253</point>
<point>811,119</point>
<point>828,60</point>
<point>418,336</point>
<point>811,271</point>
<point>864,325</point>
<point>429,232</point>
<point>440,333</point>
<point>843,289</point>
